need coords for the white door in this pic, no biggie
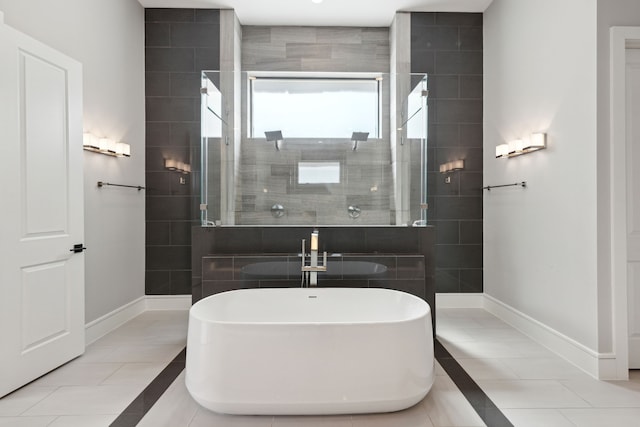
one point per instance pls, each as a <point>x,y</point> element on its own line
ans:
<point>633,202</point>
<point>41,209</point>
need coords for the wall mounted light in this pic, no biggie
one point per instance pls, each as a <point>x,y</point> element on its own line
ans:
<point>535,141</point>
<point>178,166</point>
<point>455,165</point>
<point>106,146</point>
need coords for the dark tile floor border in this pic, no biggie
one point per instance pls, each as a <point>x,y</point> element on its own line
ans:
<point>137,409</point>
<point>486,409</point>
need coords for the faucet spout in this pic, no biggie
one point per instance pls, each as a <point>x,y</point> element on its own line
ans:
<point>311,271</point>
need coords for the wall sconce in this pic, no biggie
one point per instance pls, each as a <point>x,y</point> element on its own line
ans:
<point>175,165</point>
<point>455,165</point>
<point>274,136</point>
<point>536,141</point>
<point>105,146</point>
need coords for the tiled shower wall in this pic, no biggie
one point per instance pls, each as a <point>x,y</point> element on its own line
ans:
<point>179,43</point>
<point>448,46</point>
<point>268,177</point>
<point>315,49</point>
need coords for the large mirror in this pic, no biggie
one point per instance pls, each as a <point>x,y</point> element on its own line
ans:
<point>313,149</point>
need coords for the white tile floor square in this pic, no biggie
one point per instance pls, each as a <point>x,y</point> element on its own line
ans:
<point>531,385</point>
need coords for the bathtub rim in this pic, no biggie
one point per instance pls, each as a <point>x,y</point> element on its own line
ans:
<point>424,304</point>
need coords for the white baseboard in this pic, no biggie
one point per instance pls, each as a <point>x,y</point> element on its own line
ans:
<point>599,365</point>
<point>168,302</point>
<point>603,366</point>
<point>110,321</point>
<point>459,300</point>
<point>121,315</point>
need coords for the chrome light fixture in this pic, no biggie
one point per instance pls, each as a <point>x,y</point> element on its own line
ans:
<point>178,166</point>
<point>534,142</point>
<point>105,146</point>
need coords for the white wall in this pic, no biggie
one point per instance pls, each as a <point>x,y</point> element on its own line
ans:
<point>107,37</point>
<point>541,242</point>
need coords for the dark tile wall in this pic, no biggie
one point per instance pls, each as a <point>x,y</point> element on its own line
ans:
<point>448,47</point>
<point>179,43</point>
<point>219,252</point>
<point>401,272</point>
<point>182,42</point>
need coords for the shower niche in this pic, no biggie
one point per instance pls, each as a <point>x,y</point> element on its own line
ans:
<point>313,149</point>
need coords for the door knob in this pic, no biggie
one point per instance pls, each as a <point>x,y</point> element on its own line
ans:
<point>77,248</point>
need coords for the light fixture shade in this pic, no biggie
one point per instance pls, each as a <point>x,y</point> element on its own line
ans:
<point>104,144</point>
<point>537,141</point>
<point>457,165</point>
<point>170,164</point>
<point>120,149</point>
<point>454,165</point>
<point>90,142</point>
<point>123,149</point>
<point>112,147</point>
<point>502,150</point>
<point>515,146</point>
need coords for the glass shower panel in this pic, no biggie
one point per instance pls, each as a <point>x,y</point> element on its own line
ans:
<point>417,131</point>
<point>211,138</point>
<point>313,178</point>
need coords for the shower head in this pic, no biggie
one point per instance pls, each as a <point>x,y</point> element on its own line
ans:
<point>275,136</point>
<point>358,136</point>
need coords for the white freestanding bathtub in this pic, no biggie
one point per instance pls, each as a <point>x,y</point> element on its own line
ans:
<point>309,351</point>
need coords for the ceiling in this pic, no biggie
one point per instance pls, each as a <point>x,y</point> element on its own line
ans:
<point>357,13</point>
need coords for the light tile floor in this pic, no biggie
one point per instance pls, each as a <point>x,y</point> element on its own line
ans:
<point>531,385</point>
<point>93,389</point>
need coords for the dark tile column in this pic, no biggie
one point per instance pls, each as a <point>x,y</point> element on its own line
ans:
<point>179,44</point>
<point>448,47</point>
